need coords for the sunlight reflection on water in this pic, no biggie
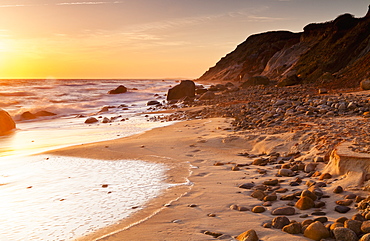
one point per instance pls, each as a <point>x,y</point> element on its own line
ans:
<point>60,198</point>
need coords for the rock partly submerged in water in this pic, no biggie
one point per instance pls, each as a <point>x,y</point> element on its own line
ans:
<point>91,120</point>
<point>119,90</point>
<point>30,116</point>
<point>6,122</point>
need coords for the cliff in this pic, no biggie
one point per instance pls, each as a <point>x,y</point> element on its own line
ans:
<point>334,53</point>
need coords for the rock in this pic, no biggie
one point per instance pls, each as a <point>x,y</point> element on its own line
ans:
<point>258,194</point>
<point>365,227</point>
<point>234,207</point>
<point>247,185</point>
<point>258,209</point>
<point>249,235</point>
<point>305,203</point>
<point>358,217</point>
<point>270,197</point>
<point>366,237</point>
<point>293,228</point>
<point>256,80</point>
<point>280,222</point>
<point>209,95</point>
<point>44,113</point>
<point>283,211</point>
<point>27,116</point>
<point>338,189</point>
<point>7,124</point>
<point>321,219</point>
<point>365,84</point>
<point>354,225</point>
<point>344,234</point>
<point>342,209</point>
<point>91,120</point>
<point>271,182</point>
<point>153,102</point>
<point>285,172</point>
<point>336,225</point>
<point>341,220</point>
<point>316,231</point>
<point>106,120</point>
<point>345,202</point>
<point>325,176</point>
<point>307,193</point>
<point>185,88</point>
<point>310,167</point>
<point>119,90</point>
<point>289,80</point>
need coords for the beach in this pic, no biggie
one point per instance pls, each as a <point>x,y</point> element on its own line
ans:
<point>199,207</point>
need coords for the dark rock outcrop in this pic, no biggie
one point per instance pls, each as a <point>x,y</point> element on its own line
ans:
<point>6,122</point>
<point>119,90</point>
<point>185,89</point>
<point>339,48</point>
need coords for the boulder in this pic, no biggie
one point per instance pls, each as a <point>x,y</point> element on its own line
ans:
<point>119,90</point>
<point>316,231</point>
<point>293,228</point>
<point>153,102</point>
<point>249,235</point>
<point>209,95</point>
<point>280,222</point>
<point>366,237</point>
<point>6,122</point>
<point>91,120</point>
<point>283,211</point>
<point>344,234</point>
<point>305,203</point>
<point>185,88</point>
<point>365,84</point>
<point>27,116</point>
<point>44,113</point>
<point>289,80</point>
<point>256,80</point>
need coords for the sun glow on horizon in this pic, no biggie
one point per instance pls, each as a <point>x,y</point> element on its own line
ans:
<point>140,39</point>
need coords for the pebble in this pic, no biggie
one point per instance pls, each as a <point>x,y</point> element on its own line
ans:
<point>283,211</point>
<point>280,222</point>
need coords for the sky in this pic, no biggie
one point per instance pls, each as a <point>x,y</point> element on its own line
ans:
<point>139,39</point>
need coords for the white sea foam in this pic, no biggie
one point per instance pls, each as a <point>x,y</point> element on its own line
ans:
<point>61,198</point>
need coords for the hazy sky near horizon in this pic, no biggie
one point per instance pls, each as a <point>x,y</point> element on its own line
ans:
<point>142,38</point>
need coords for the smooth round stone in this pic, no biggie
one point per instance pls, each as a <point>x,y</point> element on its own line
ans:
<point>342,209</point>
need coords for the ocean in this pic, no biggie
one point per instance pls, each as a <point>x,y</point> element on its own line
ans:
<point>62,198</point>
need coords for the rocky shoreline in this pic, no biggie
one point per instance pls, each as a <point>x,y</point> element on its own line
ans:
<point>320,120</point>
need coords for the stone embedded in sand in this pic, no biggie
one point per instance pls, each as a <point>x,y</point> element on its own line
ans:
<point>209,95</point>
<point>247,185</point>
<point>288,197</point>
<point>106,120</point>
<point>270,197</point>
<point>280,222</point>
<point>6,122</point>
<point>260,162</point>
<point>342,209</point>
<point>338,189</point>
<point>345,202</point>
<point>316,231</point>
<point>293,228</point>
<point>321,219</point>
<point>341,220</point>
<point>27,116</point>
<point>234,207</point>
<point>358,217</point>
<point>344,234</point>
<point>281,190</point>
<point>325,176</point>
<point>258,194</point>
<point>271,182</point>
<point>365,227</point>
<point>285,172</point>
<point>91,120</point>
<point>214,234</point>
<point>243,209</point>
<point>249,235</point>
<point>307,193</point>
<point>283,211</point>
<point>354,225</point>
<point>305,203</point>
<point>310,167</point>
<point>336,225</point>
<point>258,209</point>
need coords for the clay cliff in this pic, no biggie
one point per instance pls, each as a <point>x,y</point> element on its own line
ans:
<point>334,53</point>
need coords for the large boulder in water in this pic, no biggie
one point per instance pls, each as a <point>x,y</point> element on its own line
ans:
<point>119,90</point>
<point>6,122</point>
<point>185,89</point>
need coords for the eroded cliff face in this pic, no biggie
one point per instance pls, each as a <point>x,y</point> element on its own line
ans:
<point>333,53</point>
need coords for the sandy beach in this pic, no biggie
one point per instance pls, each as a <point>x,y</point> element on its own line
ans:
<point>202,156</point>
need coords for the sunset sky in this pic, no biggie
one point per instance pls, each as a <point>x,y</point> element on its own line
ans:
<point>142,38</point>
